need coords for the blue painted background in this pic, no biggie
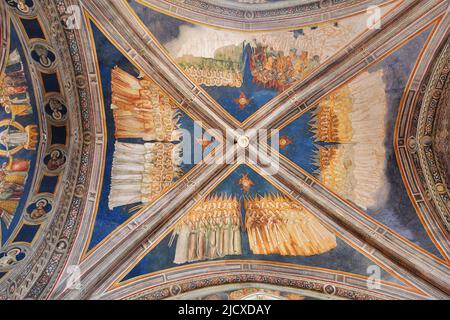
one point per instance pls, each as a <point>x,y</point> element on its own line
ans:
<point>343,258</point>
<point>23,154</point>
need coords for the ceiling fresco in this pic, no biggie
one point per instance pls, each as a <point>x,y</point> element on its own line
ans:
<point>252,293</point>
<point>244,71</point>
<point>254,203</point>
<point>344,138</point>
<point>19,135</point>
<point>224,150</point>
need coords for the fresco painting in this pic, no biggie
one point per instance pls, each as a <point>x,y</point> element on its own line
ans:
<point>350,143</point>
<point>144,152</point>
<point>245,217</point>
<point>19,136</point>
<point>259,223</point>
<point>244,71</point>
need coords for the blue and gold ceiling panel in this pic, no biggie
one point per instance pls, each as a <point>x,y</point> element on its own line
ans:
<point>246,219</point>
<point>34,144</point>
<point>243,71</point>
<point>151,142</point>
<point>347,143</point>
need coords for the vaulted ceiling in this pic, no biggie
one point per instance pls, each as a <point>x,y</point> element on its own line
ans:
<point>166,149</point>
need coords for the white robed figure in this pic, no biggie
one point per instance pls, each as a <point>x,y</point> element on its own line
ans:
<point>14,137</point>
<point>140,172</point>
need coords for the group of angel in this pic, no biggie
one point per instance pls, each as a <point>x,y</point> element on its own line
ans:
<point>274,224</point>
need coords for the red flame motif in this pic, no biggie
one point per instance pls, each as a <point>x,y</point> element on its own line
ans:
<point>246,183</point>
<point>285,142</point>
